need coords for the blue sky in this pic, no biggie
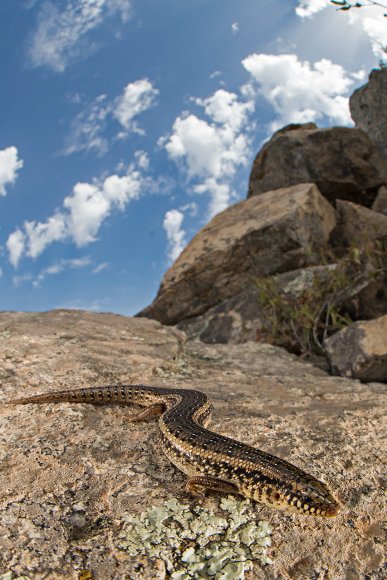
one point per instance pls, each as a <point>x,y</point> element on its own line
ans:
<point>125,125</point>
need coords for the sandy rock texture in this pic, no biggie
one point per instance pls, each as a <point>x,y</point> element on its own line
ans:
<point>368,106</point>
<point>275,232</point>
<point>344,163</point>
<point>71,475</point>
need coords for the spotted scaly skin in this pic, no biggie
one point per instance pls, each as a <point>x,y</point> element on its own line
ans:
<point>210,460</point>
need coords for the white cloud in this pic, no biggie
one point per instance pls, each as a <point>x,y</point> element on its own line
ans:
<point>142,159</point>
<point>226,110</point>
<point>59,267</point>
<point>190,207</point>
<point>100,267</point>
<point>87,128</point>
<point>63,26</point>
<point>80,217</point>
<point>196,142</point>
<point>19,280</point>
<point>137,98</point>
<point>369,18</point>
<point>235,27</point>
<point>374,24</point>
<point>172,225</point>
<point>210,152</point>
<point>307,8</point>
<point>300,91</point>
<point>39,235</point>
<point>15,246</point>
<point>9,166</point>
<point>220,194</point>
<point>91,203</point>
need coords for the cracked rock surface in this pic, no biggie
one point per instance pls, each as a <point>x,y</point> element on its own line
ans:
<point>71,473</point>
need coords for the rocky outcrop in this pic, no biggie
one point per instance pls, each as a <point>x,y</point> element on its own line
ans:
<point>241,318</point>
<point>360,350</point>
<point>244,317</point>
<point>368,106</point>
<point>344,163</point>
<point>80,485</point>
<point>271,233</point>
<point>229,284</point>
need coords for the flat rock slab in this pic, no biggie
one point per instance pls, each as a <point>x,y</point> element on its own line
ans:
<point>72,473</point>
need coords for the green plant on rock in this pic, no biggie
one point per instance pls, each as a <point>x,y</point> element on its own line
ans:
<point>302,315</point>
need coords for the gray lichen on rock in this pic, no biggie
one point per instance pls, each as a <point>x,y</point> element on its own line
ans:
<point>196,542</point>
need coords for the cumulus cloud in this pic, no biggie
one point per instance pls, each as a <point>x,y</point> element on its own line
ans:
<point>87,129</point>
<point>137,98</point>
<point>40,235</point>
<point>15,246</point>
<point>371,19</point>
<point>9,166</point>
<point>368,18</point>
<point>210,151</point>
<point>142,159</point>
<point>220,194</point>
<point>172,225</point>
<point>307,8</point>
<point>300,91</point>
<point>62,30</point>
<point>91,203</point>
<point>80,217</point>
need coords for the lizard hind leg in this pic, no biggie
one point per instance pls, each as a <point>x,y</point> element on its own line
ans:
<point>153,411</point>
<point>198,484</point>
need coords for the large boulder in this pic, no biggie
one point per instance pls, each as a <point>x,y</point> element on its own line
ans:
<point>360,350</point>
<point>368,106</point>
<point>359,226</point>
<point>344,163</point>
<point>272,233</point>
